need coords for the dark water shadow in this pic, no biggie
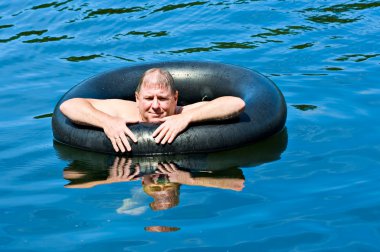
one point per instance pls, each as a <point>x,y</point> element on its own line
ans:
<point>265,151</point>
<point>162,176</point>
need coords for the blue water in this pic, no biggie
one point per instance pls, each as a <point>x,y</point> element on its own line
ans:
<point>318,190</point>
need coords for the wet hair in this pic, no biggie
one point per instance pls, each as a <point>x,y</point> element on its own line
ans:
<point>157,76</point>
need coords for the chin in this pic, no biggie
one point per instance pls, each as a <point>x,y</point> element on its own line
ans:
<point>154,119</point>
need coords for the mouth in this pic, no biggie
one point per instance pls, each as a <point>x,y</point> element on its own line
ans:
<point>158,115</point>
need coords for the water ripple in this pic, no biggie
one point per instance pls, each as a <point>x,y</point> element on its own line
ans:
<point>6,26</point>
<point>302,46</point>
<point>111,11</point>
<point>305,107</point>
<point>83,58</point>
<point>288,30</point>
<point>339,8</point>
<point>329,19</point>
<point>171,7</point>
<point>52,4</point>
<point>47,39</point>
<point>23,34</point>
<point>216,47</point>
<point>143,33</point>
<point>357,57</point>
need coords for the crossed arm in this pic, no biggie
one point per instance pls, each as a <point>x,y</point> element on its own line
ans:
<point>106,114</point>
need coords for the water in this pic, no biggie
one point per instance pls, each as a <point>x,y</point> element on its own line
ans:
<point>317,191</point>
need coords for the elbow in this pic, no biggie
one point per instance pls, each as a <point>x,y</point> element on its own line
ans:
<point>64,107</point>
<point>239,104</point>
<point>67,106</point>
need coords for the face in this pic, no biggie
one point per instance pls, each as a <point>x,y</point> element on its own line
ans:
<point>156,101</point>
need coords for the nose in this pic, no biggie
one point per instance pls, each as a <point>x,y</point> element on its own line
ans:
<point>155,103</point>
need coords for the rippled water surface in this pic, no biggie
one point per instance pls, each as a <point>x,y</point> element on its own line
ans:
<point>314,187</point>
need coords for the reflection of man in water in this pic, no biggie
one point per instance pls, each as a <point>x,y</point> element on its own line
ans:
<point>162,182</point>
<point>156,102</point>
<point>164,192</point>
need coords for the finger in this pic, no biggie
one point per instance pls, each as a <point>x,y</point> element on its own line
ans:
<point>173,166</point>
<point>166,137</point>
<point>121,167</point>
<point>161,168</point>
<point>136,173</point>
<point>122,161</point>
<point>125,167</point>
<point>125,142</point>
<point>155,133</point>
<point>114,144</point>
<point>129,162</point>
<point>120,144</point>
<point>126,174</point>
<point>115,162</point>
<point>168,168</point>
<point>163,119</point>
<point>129,133</point>
<point>162,134</point>
<point>113,170</point>
<point>137,167</point>
<point>172,137</point>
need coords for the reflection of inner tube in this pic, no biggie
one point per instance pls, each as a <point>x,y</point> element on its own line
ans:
<point>98,164</point>
<point>264,115</point>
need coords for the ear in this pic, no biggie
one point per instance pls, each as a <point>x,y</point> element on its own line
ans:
<point>176,96</point>
<point>137,98</point>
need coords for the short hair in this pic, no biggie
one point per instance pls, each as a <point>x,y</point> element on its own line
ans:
<point>160,76</point>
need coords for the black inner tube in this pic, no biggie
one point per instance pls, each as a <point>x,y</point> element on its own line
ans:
<point>264,115</point>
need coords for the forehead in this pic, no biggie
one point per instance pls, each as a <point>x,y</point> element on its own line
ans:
<point>155,88</point>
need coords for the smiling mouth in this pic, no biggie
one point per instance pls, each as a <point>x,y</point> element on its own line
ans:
<point>156,114</point>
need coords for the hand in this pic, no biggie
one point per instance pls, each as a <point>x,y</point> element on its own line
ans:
<point>121,170</point>
<point>166,168</point>
<point>171,126</point>
<point>117,131</point>
<point>174,174</point>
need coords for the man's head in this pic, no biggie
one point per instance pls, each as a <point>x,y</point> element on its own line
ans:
<point>156,96</point>
<point>164,193</point>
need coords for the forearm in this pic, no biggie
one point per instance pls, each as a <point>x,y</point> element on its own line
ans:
<point>98,113</point>
<point>81,111</point>
<point>221,183</point>
<point>218,109</point>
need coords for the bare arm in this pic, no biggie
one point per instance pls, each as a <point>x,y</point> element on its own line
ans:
<point>120,171</point>
<point>83,111</point>
<point>218,109</point>
<point>183,177</point>
<point>103,114</point>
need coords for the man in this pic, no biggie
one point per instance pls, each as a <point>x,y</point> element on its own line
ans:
<point>156,102</point>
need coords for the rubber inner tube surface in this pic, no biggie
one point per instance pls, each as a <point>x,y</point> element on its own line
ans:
<point>264,115</point>
<point>96,167</point>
